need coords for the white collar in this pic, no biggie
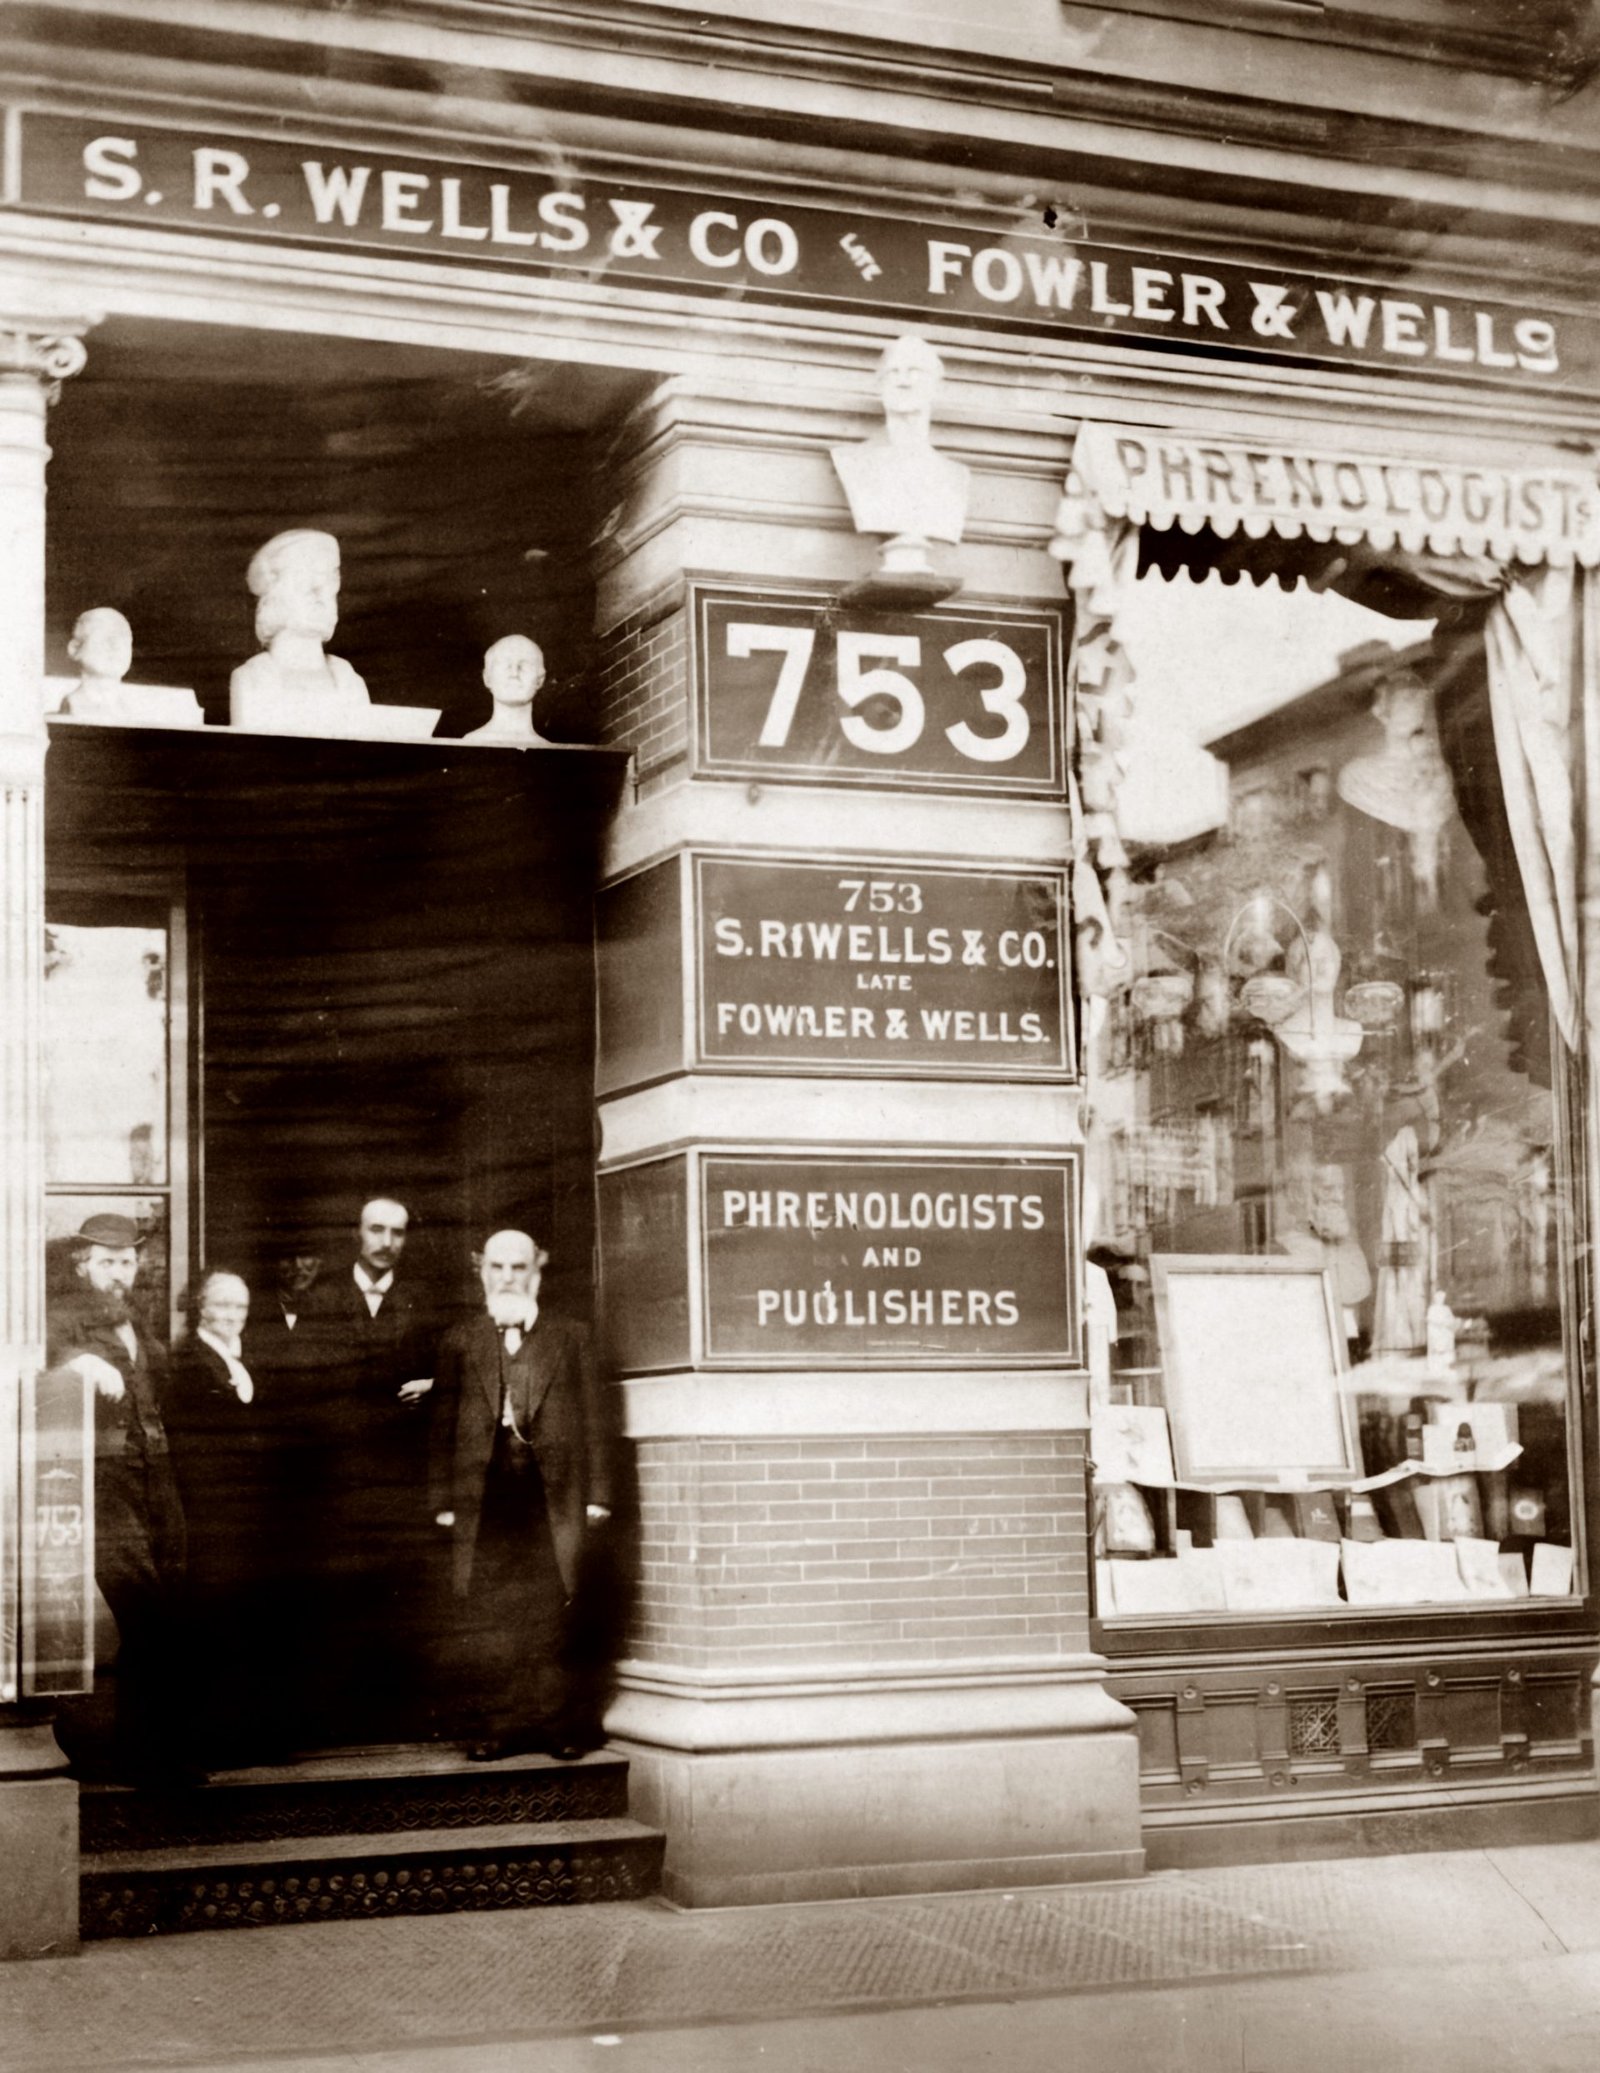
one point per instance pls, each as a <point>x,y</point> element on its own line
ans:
<point>376,1285</point>
<point>238,1374</point>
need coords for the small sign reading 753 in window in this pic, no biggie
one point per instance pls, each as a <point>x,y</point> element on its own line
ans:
<point>791,684</point>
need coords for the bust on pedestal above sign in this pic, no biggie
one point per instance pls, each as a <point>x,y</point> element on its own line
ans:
<point>901,487</point>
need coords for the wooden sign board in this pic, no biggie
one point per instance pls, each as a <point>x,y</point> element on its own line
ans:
<point>961,698</point>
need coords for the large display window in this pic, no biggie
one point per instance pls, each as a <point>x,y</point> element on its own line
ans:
<point>1337,1218</point>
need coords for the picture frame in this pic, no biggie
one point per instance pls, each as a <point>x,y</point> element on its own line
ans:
<point>1253,1355</point>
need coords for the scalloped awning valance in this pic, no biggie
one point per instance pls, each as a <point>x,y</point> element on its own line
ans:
<point>1160,479</point>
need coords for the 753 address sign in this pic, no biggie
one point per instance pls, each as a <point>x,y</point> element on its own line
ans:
<point>791,684</point>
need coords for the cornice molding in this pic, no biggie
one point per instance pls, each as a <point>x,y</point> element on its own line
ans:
<point>690,71</point>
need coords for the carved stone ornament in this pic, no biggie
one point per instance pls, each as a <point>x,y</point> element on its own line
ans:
<point>900,487</point>
<point>1101,558</point>
<point>50,357</point>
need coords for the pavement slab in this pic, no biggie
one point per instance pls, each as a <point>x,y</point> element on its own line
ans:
<point>470,1989</point>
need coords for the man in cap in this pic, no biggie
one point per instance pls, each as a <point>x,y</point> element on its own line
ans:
<point>520,1474</point>
<point>139,1528</point>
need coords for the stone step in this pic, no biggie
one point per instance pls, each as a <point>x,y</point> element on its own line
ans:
<point>518,1864</point>
<point>355,1793</point>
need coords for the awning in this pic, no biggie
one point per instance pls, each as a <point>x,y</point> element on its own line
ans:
<point>1531,515</point>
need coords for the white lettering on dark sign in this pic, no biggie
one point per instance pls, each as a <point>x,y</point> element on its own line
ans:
<point>625,229</point>
<point>848,1262</point>
<point>927,969</point>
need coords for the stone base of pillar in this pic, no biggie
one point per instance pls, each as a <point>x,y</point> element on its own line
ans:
<point>38,1845</point>
<point>831,1789</point>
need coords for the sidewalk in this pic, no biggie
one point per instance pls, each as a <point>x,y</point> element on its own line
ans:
<point>1475,1959</point>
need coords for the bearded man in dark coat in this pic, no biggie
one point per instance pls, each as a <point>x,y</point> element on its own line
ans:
<point>139,1538</point>
<point>520,1477</point>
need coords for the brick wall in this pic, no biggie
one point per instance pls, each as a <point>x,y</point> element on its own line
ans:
<point>644,692</point>
<point>881,1551</point>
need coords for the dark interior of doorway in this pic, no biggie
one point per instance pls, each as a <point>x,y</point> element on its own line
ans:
<point>460,486</point>
<point>391,983</point>
<point>392,960</point>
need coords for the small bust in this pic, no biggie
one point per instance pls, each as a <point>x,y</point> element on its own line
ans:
<point>896,483</point>
<point>102,647</point>
<point>293,686</point>
<point>513,671</point>
<point>1405,784</point>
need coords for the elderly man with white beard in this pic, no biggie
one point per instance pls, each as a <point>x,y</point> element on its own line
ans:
<point>520,1474</point>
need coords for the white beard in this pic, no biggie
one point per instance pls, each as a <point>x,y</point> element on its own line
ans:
<point>518,1307</point>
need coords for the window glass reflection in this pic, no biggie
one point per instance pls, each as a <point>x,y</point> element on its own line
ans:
<point>1331,1050</point>
<point>106,1020</point>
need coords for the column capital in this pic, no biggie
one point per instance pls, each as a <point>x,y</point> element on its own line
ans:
<point>50,349</point>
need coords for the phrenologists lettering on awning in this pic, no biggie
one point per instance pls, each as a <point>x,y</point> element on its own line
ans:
<point>860,967</point>
<point>622,225</point>
<point>1448,507</point>
<point>858,1261</point>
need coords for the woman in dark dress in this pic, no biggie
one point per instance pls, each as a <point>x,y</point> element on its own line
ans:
<point>221,1456</point>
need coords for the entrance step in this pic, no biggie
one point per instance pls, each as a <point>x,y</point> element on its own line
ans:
<point>362,1834</point>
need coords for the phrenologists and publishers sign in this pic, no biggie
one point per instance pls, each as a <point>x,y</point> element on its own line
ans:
<point>963,698</point>
<point>862,1262</point>
<point>853,964</point>
<point>588,218</point>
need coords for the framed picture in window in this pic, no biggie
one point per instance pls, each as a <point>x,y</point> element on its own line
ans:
<point>1253,1355</point>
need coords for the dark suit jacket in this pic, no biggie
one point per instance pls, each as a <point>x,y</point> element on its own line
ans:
<point>220,1456</point>
<point>361,1360</point>
<point>371,1449</point>
<point>138,1529</point>
<point>564,1422</point>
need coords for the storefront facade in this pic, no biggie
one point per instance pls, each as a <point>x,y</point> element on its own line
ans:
<point>938,1015</point>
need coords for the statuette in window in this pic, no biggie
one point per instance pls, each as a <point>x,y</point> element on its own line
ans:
<point>1406,784</point>
<point>513,671</point>
<point>293,686</point>
<point>900,487</point>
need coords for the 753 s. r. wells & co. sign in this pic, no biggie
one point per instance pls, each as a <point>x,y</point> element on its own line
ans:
<point>848,964</point>
<point>879,1261</point>
<point>589,218</point>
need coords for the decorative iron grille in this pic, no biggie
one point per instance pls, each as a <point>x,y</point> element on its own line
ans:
<point>1314,1725</point>
<point>1392,1720</point>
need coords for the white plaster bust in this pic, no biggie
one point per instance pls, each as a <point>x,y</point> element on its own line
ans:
<point>1405,784</point>
<point>513,671</point>
<point>897,484</point>
<point>102,647</point>
<point>293,686</point>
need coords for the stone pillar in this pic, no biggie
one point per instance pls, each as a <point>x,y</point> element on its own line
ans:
<point>860,1661</point>
<point>38,1802</point>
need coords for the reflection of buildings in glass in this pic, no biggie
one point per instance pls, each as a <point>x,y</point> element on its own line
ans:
<point>1443,1139</point>
<point>106,1051</point>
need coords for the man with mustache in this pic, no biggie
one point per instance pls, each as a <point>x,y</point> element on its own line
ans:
<point>368,1361</point>
<point>520,1475</point>
<point>139,1547</point>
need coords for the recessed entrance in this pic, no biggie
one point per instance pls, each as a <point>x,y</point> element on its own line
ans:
<point>374,960</point>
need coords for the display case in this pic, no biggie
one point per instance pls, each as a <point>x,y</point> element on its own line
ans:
<point>1333,1145</point>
